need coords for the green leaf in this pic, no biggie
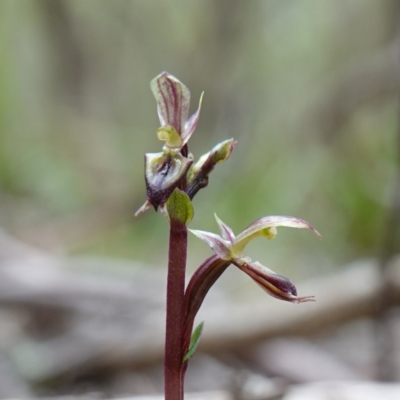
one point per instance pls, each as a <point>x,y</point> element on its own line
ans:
<point>179,207</point>
<point>194,341</point>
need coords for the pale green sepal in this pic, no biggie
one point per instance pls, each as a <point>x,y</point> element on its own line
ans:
<point>179,207</point>
<point>194,341</point>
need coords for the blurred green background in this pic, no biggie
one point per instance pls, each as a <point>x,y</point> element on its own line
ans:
<point>308,88</point>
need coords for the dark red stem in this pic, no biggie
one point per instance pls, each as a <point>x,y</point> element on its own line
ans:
<point>173,370</point>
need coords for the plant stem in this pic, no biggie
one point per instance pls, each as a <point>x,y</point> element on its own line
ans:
<point>173,371</point>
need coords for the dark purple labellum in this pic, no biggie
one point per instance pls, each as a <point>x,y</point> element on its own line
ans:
<point>163,173</point>
<point>282,283</point>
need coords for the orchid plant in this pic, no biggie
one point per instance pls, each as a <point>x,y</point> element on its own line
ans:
<point>172,180</point>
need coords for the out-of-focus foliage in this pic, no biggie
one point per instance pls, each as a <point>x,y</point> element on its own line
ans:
<point>306,87</point>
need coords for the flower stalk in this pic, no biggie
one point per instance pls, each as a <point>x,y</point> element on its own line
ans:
<point>173,373</point>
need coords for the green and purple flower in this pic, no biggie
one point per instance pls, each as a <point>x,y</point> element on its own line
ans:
<point>171,168</point>
<point>229,247</point>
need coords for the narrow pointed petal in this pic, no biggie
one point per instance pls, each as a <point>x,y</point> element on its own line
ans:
<point>226,231</point>
<point>143,208</point>
<point>191,123</point>
<point>173,99</point>
<point>266,226</point>
<point>220,246</point>
<point>275,285</point>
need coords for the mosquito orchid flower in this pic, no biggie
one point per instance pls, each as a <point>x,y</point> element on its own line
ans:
<point>230,248</point>
<point>165,171</point>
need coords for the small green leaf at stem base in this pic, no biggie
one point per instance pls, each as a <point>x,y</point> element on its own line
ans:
<point>179,207</point>
<point>194,341</point>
